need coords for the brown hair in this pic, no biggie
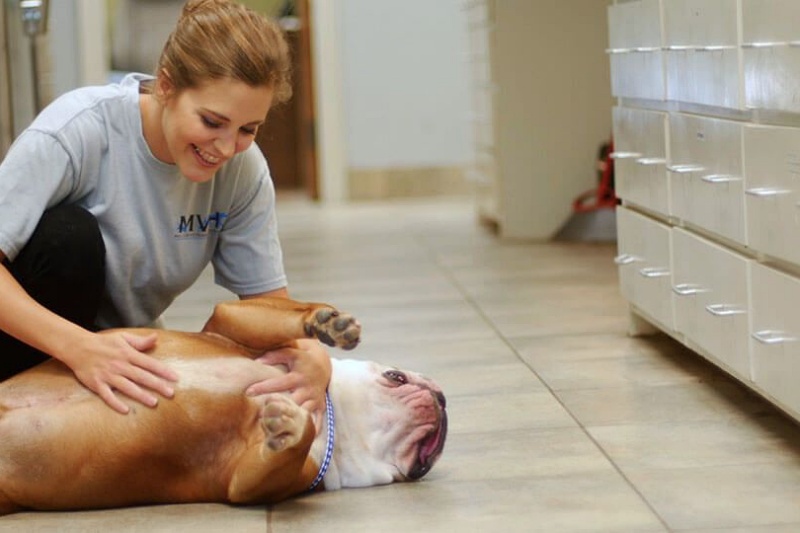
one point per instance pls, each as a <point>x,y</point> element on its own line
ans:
<point>218,39</point>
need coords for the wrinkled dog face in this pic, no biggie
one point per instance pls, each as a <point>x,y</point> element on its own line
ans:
<point>398,416</point>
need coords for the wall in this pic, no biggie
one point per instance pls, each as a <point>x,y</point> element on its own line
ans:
<point>405,96</point>
<point>551,108</point>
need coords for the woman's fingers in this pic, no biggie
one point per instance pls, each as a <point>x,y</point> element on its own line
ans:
<point>285,383</point>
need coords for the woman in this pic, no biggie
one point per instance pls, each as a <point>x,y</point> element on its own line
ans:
<point>116,198</point>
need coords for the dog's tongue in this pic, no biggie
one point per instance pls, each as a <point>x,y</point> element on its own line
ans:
<point>430,445</point>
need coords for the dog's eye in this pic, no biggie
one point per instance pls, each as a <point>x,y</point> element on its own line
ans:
<point>396,376</point>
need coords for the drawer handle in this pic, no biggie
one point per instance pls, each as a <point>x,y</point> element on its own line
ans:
<point>654,272</point>
<point>764,44</point>
<point>685,169</point>
<point>765,192</point>
<point>618,50</point>
<point>627,259</point>
<point>645,49</point>
<point>720,178</point>
<point>650,161</point>
<point>771,336</point>
<point>715,48</point>
<point>678,47</point>
<point>688,289</point>
<point>624,155</point>
<point>725,310</point>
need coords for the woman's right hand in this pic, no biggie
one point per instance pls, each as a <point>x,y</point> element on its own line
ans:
<point>111,363</point>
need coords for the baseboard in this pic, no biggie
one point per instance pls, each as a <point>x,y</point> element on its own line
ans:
<point>416,182</point>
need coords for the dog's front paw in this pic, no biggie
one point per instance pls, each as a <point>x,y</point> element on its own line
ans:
<point>334,328</point>
<point>283,422</point>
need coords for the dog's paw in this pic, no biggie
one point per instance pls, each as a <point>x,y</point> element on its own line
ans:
<point>283,422</point>
<point>334,328</point>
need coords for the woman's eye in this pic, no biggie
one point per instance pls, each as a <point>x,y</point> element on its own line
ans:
<point>210,123</point>
<point>396,376</point>
<point>249,131</point>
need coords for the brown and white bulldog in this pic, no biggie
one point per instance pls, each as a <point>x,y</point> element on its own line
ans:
<point>62,448</point>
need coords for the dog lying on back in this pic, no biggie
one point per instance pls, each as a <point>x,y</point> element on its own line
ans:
<point>62,448</point>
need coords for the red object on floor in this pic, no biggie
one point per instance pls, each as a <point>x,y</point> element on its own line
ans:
<point>602,197</point>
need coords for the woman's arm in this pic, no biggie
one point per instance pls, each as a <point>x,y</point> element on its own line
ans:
<point>309,369</point>
<point>104,363</point>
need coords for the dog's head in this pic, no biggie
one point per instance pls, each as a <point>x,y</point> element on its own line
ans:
<point>390,424</point>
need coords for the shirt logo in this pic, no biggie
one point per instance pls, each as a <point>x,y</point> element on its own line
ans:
<point>198,225</point>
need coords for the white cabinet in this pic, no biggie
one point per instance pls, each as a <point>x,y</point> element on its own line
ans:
<point>639,157</point>
<point>636,50</point>
<point>706,174</point>
<point>772,169</point>
<point>702,47</point>
<point>644,265</point>
<point>711,305</point>
<point>776,335</point>
<point>713,257</point>
<point>771,54</point>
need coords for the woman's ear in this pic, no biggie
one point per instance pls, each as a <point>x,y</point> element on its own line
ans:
<point>164,88</point>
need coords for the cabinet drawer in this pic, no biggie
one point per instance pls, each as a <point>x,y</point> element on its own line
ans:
<point>711,302</point>
<point>775,331</point>
<point>706,174</point>
<point>705,75</point>
<point>635,25</point>
<point>702,58</point>
<point>638,74</point>
<point>644,265</point>
<point>640,158</point>
<point>772,190</point>
<point>699,23</point>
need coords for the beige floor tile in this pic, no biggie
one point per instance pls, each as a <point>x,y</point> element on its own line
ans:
<point>716,401</point>
<point>581,503</point>
<point>197,518</point>
<point>579,362</point>
<point>773,528</point>
<point>506,412</point>
<point>743,440</point>
<point>520,453</point>
<point>725,496</point>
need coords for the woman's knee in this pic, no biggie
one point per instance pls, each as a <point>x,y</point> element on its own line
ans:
<point>67,245</point>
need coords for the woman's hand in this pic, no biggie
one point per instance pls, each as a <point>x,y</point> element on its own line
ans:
<point>307,380</point>
<point>114,362</point>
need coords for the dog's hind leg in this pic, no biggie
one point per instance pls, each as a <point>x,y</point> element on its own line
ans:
<point>265,323</point>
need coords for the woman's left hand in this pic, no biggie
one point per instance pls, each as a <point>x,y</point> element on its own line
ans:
<point>306,381</point>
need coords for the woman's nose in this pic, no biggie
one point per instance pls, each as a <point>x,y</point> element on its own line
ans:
<point>226,145</point>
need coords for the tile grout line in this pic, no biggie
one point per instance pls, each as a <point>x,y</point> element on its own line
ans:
<point>449,275</point>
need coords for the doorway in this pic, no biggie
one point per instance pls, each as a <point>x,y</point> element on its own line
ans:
<point>287,139</point>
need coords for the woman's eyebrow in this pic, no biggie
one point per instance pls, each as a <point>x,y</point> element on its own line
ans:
<point>222,117</point>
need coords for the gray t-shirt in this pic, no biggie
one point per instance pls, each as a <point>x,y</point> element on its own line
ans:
<point>160,229</point>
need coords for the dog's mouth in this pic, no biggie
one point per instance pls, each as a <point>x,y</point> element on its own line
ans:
<point>430,447</point>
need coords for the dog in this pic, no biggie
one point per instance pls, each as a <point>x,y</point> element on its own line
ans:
<point>62,448</point>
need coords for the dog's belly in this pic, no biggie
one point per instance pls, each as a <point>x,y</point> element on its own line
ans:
<point>52,429</point>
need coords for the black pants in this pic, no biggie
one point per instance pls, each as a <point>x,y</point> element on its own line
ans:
<point>63,268</point>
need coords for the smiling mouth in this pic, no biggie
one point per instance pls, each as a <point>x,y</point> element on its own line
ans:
<point>206,158</point>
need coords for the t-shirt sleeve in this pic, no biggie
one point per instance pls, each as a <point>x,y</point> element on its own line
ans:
<point>35,175</point>
<point>248,258</point>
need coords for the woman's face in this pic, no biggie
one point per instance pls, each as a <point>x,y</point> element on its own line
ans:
<point>204,127</point>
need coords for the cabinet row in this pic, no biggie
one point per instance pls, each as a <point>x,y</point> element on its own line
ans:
<point>730,308</point>
<point>739,54</point>
<point>740,181</point>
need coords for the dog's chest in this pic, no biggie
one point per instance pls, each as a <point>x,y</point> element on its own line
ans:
<point>220,374</point>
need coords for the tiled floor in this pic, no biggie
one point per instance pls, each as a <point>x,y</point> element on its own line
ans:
<point>559,422</point>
